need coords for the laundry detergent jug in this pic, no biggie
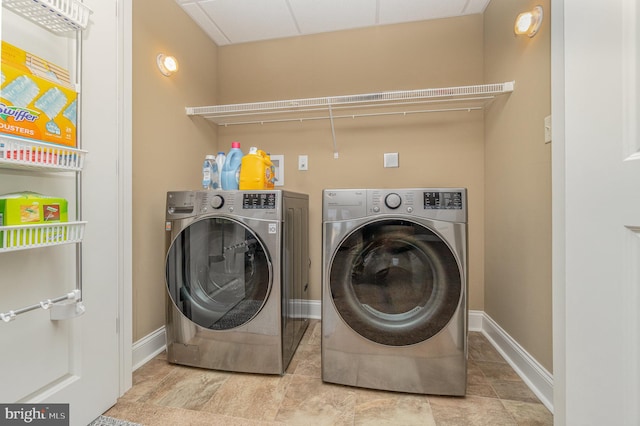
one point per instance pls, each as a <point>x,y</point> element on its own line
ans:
<point>231,168</point>
<point>256,170</point>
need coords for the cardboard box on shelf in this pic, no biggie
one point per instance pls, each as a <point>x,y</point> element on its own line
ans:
<point>37,98</point>
<point>30,208</point>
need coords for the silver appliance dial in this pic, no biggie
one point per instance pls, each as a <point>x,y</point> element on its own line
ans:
<point>393,200</point>
<point>216,201</point>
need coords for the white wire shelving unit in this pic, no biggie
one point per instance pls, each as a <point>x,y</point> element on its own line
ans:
<point>67,17</point>
<point>403,102</point>
<point>57,16</point>
<point>22,237</point>
<point>26,154</point>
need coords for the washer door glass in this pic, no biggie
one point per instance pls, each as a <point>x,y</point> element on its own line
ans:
<point>395,282</point>
<point>218,273</point>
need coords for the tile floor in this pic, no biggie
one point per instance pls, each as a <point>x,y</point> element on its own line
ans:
<point>166,394</point>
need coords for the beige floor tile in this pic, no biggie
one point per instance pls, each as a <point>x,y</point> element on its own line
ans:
<point>315,334</point>
<point>146,378</point>
<point>484,390</point>
<point>249,396</point>
<point>528,414</point>
<point>378,408</point>
<point>515,391</point>
<point>133,411</point>
<point>470,411</point>
<point>310,402</point>
<point>153,415</point>
<point>481,350</point>
<point>186,387</point>
<point>475,374</point>
<point>167,394</point>
<point>310,343</point>
<point>307,362</point>
<point>498,371</point>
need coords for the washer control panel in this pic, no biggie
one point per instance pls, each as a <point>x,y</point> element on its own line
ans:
<point>259,200</point>
<point>258,204</point>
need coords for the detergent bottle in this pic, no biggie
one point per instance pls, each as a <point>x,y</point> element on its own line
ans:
<point>271,178</point>
<point>220,164</point>
<point>208,172</point>
<point>256,171</point>
<point>231,167</point>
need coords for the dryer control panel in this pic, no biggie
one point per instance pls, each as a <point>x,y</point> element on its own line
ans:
<point>447,204</point>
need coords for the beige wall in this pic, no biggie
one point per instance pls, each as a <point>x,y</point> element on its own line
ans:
<point>442,149</point>
<point>518,181</point>
<point>168,146</point>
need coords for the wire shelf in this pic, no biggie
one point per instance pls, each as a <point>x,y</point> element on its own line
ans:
<point>57,16</point>
<point>18,153</point>
<point>22,237</point>
<point>462,98</point>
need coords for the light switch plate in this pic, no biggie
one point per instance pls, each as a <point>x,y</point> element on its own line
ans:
<point>391,159</point>
<point>303,162</point>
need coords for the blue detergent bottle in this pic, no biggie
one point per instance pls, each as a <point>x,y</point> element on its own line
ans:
<point>231,167</point>
<point>220,158</point>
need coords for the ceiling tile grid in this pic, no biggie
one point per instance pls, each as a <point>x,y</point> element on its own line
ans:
<point>241,21</point>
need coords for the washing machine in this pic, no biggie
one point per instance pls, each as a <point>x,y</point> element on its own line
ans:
<point>394,289</point>
<point>237,277</point>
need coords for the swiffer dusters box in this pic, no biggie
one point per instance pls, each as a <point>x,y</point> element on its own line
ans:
<point>30,208</point>
<point>37,99</point>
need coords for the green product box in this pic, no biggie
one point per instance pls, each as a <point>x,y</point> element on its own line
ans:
<point>30,208</point>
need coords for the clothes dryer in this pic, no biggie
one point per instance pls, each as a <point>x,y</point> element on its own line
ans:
<point>237,275</point>
<point>394,289</point>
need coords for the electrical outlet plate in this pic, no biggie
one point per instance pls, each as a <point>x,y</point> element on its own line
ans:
<point>303,162</point>
<point>391,159</point>
<point>278,164</point>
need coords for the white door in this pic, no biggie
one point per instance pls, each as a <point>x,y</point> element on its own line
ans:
<point>596,110</point>
<point>74,361</point>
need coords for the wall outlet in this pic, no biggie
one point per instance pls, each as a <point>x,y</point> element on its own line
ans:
<point>303,162</point>
<point>391,159</point>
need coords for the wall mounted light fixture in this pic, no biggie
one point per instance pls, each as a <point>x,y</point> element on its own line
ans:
<point>529,22</point>
<point>166,64</point>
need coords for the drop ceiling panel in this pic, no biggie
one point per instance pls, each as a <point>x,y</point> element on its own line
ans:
<point>476,6</point>
<point>249,20</point>
<point>397,11</point>
<point>194,10</point>
<point>241,21</point>
<point>315,16</point>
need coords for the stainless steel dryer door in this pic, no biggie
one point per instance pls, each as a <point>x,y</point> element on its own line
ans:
<point>395,282</point>
<point>218,273</point>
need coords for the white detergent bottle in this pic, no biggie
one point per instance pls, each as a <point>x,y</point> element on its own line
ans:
<point>207,171</point>
<point>220,159</point>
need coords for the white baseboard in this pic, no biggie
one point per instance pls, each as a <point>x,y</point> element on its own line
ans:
<point>148,347</point>
<point>315,309</point>
<point>534,375</point>
<point>539,380</point>
<point>475,320</point>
